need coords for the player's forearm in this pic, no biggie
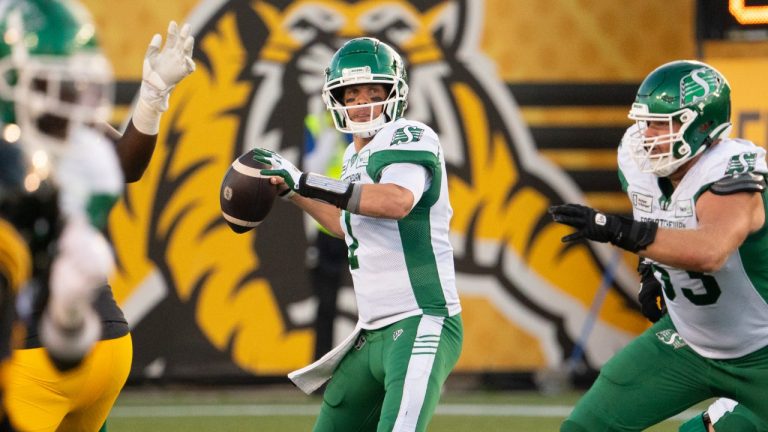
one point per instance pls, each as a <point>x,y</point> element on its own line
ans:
<point>325,214</point>
<point>691,249</point>
<point>134,150</point>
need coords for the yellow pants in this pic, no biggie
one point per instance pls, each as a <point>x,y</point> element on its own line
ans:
<point>41,398</point>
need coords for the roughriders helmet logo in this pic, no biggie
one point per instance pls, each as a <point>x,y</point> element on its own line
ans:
<point>697,85</point>
<point>260,72</point>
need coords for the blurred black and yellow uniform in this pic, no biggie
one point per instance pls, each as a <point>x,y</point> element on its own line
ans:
<point>15,266</point>
<point>77,396</point>
<point>15,270</point>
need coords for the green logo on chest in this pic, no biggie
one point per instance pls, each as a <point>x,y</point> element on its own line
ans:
<point>406,134</point>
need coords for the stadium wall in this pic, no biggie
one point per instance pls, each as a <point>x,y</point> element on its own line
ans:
<point>530,100</point>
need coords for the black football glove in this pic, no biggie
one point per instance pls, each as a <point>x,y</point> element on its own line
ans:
<point>650,297</point>
<point>621,231</point>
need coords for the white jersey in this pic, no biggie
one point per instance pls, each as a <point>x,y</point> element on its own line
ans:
<point>724,314</point>
<point>401,268</point>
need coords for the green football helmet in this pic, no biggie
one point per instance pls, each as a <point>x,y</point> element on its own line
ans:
<point>689,94</point>
<point>365,61</point>
<point>52,74</point>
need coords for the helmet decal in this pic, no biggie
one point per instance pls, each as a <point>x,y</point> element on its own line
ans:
<point>699,84</point>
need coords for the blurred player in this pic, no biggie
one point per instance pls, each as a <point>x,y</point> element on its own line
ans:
<point>699,202</point>
<point>392,207</point>
<point>55,100</point>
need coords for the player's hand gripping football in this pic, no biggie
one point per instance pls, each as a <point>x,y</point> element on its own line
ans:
<point>282,168</point>
<point>590,224</point>
<point>167,66</point>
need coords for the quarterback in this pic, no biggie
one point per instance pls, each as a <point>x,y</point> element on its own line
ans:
<point>699,201</point>
<point>391,206</point>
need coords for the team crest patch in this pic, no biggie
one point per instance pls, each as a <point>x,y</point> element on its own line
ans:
<point>684,208</point>
<point>697,85</point>
<point>741,163</point>
<point>363,158</point>
<point>670,337</point>
<point>406,134</point>
<point>642,202</point>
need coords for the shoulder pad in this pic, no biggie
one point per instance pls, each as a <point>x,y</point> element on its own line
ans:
<point>745,182</point>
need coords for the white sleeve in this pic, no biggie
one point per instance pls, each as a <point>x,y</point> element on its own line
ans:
<point>413,177</point>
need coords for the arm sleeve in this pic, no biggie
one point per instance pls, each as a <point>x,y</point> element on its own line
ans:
<point>413,177</point>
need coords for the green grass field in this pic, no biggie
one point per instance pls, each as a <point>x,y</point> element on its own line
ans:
<point>283,409</point>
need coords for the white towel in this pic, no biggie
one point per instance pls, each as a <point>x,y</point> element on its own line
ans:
<point>311,377</point>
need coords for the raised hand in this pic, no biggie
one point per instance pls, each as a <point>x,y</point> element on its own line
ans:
<point>167,66</point>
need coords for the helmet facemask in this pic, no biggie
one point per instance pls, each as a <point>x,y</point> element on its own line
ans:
<point>661,154</point>
<point>54,95</point>
<point>393,105</point>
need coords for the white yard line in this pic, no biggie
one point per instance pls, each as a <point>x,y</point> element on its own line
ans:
<point>263,410</point>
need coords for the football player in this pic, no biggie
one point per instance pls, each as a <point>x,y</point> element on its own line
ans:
<point>391,206</point>
<point>699,202</point>
<point>723,415</point>
<point>55,97</point>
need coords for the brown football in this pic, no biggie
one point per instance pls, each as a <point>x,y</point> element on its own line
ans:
<point>246,197</point>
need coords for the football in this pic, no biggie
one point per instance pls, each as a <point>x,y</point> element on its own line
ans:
<point>246,197</point>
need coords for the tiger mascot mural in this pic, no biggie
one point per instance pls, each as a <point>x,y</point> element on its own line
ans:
<point>203,300</point>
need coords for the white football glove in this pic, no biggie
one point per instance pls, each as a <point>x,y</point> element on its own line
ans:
<point>163,68</point>
<point>82,264</point>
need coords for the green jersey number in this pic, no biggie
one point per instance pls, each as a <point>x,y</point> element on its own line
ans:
<point>711,288</point>
<point>354,264</point>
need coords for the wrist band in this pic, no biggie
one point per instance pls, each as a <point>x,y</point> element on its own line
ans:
<point>336,192</point>
<point>353,205</point>
<point>145,118</point>
<point>287,194</point>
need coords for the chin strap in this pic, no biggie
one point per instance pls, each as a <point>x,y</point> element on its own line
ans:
<point>378,123</point>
